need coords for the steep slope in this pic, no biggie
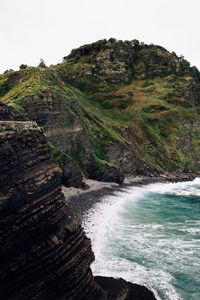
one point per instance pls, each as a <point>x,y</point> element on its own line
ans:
<point>114,105</point>
<point>44,253</point>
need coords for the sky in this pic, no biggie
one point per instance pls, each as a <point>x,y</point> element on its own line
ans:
<point>50,29</point>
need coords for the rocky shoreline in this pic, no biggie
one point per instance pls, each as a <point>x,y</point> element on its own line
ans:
<point>81,200</point>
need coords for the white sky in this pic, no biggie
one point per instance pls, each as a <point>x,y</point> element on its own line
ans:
<point>50,29</point>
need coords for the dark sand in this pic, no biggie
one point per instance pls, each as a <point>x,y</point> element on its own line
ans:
<point>81,200</point>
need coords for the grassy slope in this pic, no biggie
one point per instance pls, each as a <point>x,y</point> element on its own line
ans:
<point>157,118</point>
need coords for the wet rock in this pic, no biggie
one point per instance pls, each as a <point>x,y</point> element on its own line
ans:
<point>119,289</point>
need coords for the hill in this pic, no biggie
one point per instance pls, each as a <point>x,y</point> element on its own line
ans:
<point>113,108</point>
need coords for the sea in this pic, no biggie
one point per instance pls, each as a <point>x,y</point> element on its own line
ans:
<point>150,235</point>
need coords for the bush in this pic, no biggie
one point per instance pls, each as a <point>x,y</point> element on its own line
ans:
<point>22,66</point>
<point>42,64</point>
<point>8,71</point>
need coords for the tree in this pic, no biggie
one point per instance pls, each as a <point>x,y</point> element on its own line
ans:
<point>135,43</point>
<point>22,66</point>
<point>8,71</point>
<point>42,64</point>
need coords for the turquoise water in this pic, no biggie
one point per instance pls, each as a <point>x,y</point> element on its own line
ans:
<point>150,235</point>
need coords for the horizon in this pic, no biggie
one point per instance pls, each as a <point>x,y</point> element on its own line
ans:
<point>50,30</point>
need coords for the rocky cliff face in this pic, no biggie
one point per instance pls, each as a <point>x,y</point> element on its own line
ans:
<point>44,253</point>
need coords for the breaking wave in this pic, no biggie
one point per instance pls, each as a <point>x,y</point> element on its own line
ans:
<point>150,235</point>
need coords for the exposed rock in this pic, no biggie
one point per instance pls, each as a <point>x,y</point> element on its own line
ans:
<point>52,112</point>
<point>119,289</point>
<point>42,64</point>
<point>61,125</point>
<point>44,253</point>
<point>71,175</point>
<point>104,172</point>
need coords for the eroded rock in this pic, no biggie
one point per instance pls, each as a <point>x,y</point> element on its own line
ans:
<point>44,253</point>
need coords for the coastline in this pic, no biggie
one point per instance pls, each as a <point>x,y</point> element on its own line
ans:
<point>81,200</point>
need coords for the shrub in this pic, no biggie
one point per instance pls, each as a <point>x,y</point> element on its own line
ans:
<point>22,66</point>
<point>42,64</point>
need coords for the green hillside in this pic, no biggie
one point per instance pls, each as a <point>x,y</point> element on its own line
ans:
<point>115,105</point>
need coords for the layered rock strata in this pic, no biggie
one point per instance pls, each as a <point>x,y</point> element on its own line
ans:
<point>64,129</point>
<point>44,253</point>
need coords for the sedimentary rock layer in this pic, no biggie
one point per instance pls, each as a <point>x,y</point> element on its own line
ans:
<point>44,253</point>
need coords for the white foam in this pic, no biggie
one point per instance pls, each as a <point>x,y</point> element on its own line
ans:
<point>111,234</point>
<point>178,188</point>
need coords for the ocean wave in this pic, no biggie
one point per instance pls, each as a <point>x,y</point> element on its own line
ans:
<point>149,239</point>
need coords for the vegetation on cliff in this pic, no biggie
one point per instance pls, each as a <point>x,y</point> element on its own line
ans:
<point>114,105</point>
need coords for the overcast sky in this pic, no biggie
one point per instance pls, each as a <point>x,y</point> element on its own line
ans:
<point>50,29</point>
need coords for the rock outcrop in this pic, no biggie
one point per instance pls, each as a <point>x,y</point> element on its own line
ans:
<point>119,289</point>
<point>44,253</point>
<point>71,175</point>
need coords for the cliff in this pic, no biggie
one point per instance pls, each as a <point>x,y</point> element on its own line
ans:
<point>44,253</point>
<point>113,108</point>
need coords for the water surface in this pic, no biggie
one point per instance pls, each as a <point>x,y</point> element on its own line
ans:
<point>150,235</point>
